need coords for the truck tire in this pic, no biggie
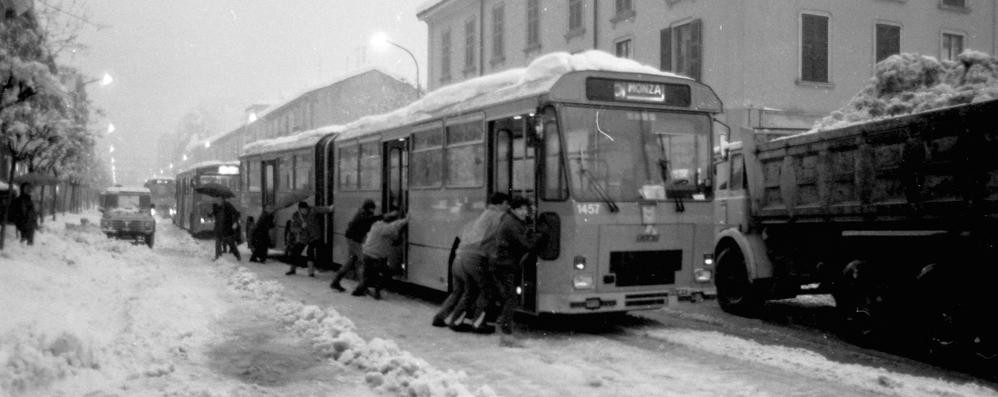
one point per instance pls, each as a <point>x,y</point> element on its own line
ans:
<point>150,239</point>
<point>734,290</point>
<point>859,300</point>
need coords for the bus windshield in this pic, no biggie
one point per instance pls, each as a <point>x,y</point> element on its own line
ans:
<point>627,155</point>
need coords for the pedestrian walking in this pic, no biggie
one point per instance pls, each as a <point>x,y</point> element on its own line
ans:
<point>356,232</point>
<point>377,246</point>
<point>226,226</point>
<point>306,232</point>
<point>260,234</point>
<point>24,215</point>
<point>465,309</point>
<point>513,242</point>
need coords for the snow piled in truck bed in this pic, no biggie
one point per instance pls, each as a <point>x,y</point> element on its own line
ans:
<point>911,83</point>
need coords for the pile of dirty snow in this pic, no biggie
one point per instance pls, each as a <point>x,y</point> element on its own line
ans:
<point>387,367</point>
<point>911,83</point>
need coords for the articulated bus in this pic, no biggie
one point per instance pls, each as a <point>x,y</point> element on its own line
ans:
<point>164,196</point>
<point>193,208</point>
<point>278,172</point>
<point>615,156</point>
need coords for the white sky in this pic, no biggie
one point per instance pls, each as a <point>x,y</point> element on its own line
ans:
<point>170,57</point>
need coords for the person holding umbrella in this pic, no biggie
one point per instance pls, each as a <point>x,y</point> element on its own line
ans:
<point>226,226</point>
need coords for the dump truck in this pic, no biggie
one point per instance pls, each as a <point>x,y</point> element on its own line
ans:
<point>896,218</point>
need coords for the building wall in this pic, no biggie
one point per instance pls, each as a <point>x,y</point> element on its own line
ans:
<point>750,48</point>
<point>367,93</point>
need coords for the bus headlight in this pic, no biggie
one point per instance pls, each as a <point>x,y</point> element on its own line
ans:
<point>702,275</point>
<point>580,262</point>
<point>582,281</point>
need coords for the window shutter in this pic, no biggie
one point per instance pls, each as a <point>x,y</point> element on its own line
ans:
<point>696,49</point>
<point>666,47</point>
<point>815,48</point>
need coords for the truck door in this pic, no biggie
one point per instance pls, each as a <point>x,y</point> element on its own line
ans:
<point>395,196</point>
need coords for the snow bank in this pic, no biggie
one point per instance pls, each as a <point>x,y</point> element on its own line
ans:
<point>388,368</point>
<point>911,83</point>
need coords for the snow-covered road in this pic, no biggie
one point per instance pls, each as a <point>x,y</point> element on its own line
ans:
<point>83,315</point>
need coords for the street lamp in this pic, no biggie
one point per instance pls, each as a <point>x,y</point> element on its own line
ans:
<point>380,39</point>
<point>105,80</point>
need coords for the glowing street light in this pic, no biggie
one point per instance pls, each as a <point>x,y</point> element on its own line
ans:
<point>111,148</point>
<point>380,40</point>
<point>110,128</point>
<point>104,80</point>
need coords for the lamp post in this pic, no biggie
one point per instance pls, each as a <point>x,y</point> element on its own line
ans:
<point>380,39</point>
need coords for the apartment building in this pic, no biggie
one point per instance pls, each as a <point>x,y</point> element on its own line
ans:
<point>776,64</point>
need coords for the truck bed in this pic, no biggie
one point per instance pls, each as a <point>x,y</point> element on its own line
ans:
<point>934,169</point>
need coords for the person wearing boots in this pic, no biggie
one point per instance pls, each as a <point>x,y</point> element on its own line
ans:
<point>474,288</point>
<point>260,235</point>
<point>306,232</point>
<point>356,231</point>
<point>377,246</point>
<point>512,242</point>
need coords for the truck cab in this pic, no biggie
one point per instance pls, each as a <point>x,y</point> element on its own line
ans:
<point>127,214</point>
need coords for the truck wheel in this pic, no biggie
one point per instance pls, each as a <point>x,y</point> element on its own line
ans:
<point>734,290</point>
<point>858,301</point>
<point>150,239</point>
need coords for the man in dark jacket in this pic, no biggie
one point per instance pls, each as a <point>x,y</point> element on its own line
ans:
<point>356,231</point>
<point>260,235</point>
<point>226,226</point>
<point>513,242</point>
<point>24,215</point>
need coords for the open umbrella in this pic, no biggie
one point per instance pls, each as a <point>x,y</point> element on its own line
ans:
<point>215,190</point>
<point>36,179</point>
<point>292,197</point>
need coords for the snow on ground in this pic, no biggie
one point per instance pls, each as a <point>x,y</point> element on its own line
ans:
<point>811,364</point>
<point>84,315</point>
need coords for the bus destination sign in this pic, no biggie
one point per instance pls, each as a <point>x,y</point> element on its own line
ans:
<point>601,89</point>
<point>643,92</point>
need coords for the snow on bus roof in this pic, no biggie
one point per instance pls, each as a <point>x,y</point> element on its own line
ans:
<point>210,163</point>
<point>296,141</point>
<point>537,77</point>
<point>126,189</point>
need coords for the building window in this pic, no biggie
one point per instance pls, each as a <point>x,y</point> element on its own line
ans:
<point>888,41</point>
<point>469,45</point>
<point>622,48</point>
<point>682,49</point>
<point>498,29</point>
<point>952,46</point>
<point>954,3</point>
<point>445,51</point>
<point>533,25</point>
<point>814,48</point>
<point>623,11</point>
<point>574,17</point>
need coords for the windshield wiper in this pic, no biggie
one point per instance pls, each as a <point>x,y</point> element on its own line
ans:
<point>595,186</point>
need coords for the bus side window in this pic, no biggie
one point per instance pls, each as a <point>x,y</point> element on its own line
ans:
<point>737,172</point>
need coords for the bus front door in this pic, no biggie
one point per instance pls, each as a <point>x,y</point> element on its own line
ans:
<point>395,196</point>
